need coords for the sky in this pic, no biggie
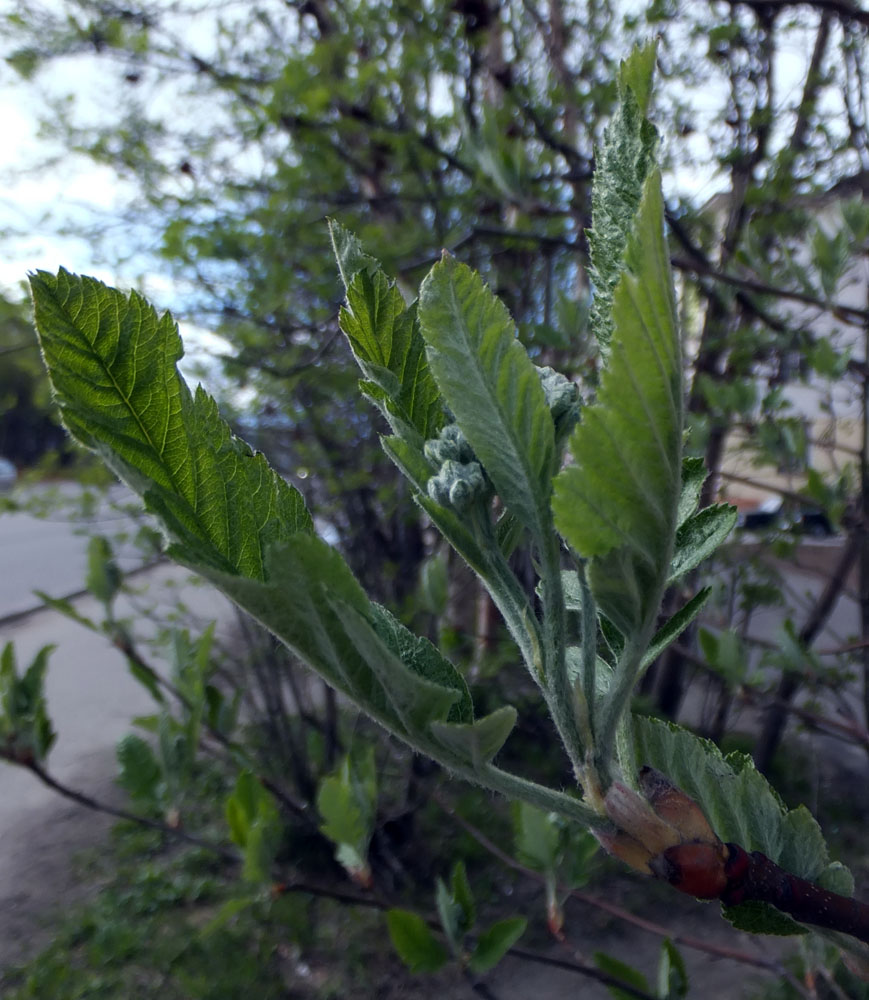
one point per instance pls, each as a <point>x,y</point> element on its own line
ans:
<point>75,189</point>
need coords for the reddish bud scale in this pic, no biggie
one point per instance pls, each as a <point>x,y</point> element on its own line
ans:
<point>696,869</point>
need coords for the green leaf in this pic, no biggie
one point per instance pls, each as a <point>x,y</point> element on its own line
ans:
<point>491,386</point>
<point>25,728</point>
<point>461,891</point>
<point>537,837</point>
<point>627,974</point>
<point>623,165</point>
<point>313,603</point>
<point>386,342</point>
<point>112,363</point>
<point>67,609</point>
<point>672,974</point>
<point>725,653</point>
<point>347,803</point>
<point>617,503</point>
<point>495,942</point>
<point>837,878</point>
<point>416,945</point>
<point>761,918</point>
<point>694,475</point>
<point>415,699</point>
<point>736,799</point>
<point>451,916</point>
<point>104,577</point>
<point>676,625</point>
<point>699,536</point>
<point>478,742</point>
<point>139,771</point>
<point>349,253</point>
<point>424,659</point>
<point>636,72</point>
<point>255,825</point>
<point>434,584</point>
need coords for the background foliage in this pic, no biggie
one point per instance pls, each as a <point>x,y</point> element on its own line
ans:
<point>475,126</point>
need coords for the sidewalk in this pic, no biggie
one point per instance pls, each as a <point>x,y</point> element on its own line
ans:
<point>91,699</point>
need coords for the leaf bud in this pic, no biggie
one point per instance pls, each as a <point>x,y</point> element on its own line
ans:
<point>632,814</point>
<point>674,806</point>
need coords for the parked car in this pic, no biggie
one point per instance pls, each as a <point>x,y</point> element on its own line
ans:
<point>8,475</point>
<point>776,513</point>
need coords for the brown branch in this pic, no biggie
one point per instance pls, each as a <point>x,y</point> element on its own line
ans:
<point>845,10</point>
<point>98,806</point>
<point>581,969</point>
<point>850,314</point>
<point>814,80</point>
<point>789,684</point>
<point>755,877</point>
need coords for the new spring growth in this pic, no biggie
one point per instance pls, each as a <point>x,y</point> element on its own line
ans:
<point>460,478</point>
<point>663,832</point>
<point>562,398</point>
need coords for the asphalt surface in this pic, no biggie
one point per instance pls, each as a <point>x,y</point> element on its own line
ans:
<point>91,699</point>
<point>50,552</point>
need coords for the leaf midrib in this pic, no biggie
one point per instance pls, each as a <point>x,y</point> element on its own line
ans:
<point>104,366</point>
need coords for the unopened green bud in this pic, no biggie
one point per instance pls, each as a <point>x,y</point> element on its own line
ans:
<point>450,445</point>
<point>457,484</point>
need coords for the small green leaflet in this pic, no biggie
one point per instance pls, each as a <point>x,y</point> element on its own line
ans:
<point>490,384</point>
<point>384,335</point>
<point>617,503</point>
<point>699,536</point>
<point>476,742</point>
<point>416,945</point>
<point>25,726</point>
<point>349,253</point>
<point>139,770</point>
<point>347,803</point>
<point>254,825</point>
<point>494,943</point>
<point>112,363</point>
<point>385,339</point>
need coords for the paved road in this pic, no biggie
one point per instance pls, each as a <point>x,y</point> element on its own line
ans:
<point>50,553</point>
<point>91,699</point>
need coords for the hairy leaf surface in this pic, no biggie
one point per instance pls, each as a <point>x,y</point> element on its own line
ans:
<point>491,386</point>
<point>699,536</point>
<point>479,741</point>
<point>349,253</point>
<point>623,163</point>
<point>617,503</point>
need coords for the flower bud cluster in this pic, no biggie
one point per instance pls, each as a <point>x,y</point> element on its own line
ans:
<point>460,479</point>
